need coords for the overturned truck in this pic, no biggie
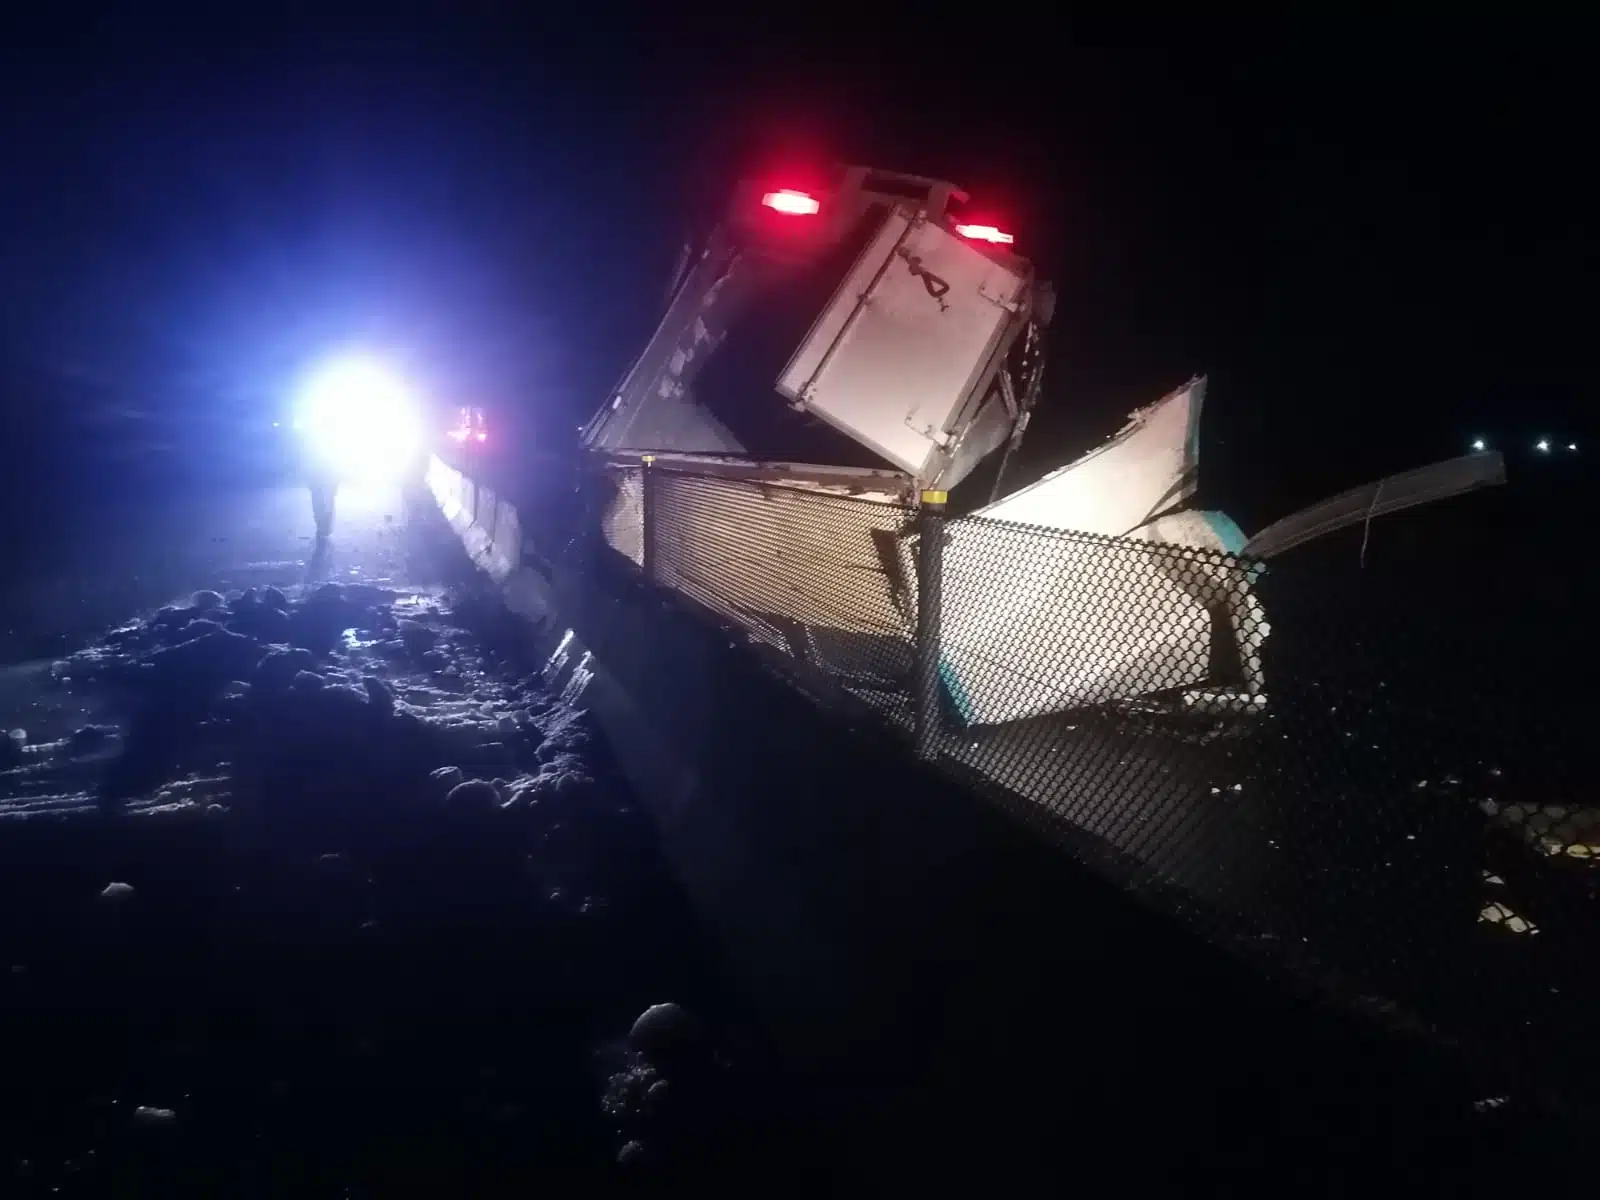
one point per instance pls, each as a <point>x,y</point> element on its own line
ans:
<point>869,341</point>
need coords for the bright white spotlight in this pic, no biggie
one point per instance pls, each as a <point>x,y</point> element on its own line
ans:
<point>360,420</point>
<point>1479,444</point>
<point>1542,445</point>
<point>1573,446</point>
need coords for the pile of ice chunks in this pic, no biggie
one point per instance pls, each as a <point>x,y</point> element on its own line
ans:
<point>348,700</point>
<point>348,711</point>
<point>669,1074</point>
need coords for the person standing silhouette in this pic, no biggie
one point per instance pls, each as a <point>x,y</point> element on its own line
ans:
<point>324,485</point>
<point>321,479</point>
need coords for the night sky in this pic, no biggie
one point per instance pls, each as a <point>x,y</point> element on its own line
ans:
<point>1376,239</point>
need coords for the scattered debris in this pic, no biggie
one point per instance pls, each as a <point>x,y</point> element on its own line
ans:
<point>379,694</point>
<point>658,1097</point>
<point>475,795</point>
<point>666,1034</point>
<point>92,740</point>
<point>447,778</point>
<point>632,1154</point>
<point>1497,913</point>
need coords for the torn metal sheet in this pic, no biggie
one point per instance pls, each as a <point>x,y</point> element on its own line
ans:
<point>1066,622</point>
<point>1041,622</point>
<point>1149,467</point>
<point>1394,493</point>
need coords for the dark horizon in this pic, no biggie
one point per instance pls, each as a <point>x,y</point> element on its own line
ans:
<point>1373,242</point>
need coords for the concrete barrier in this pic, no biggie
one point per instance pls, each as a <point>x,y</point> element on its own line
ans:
<point>495,547</point>
<point>487,524</point>
<point>444,483</point>
<point>507,542</point>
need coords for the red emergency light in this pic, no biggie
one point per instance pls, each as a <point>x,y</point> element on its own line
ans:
<point>792,203</point>
<point>985,233</point>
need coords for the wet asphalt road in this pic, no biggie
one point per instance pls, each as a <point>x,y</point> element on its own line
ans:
<point>102,563</point>
<point>89,567</point>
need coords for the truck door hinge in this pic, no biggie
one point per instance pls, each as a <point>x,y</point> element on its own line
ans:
<point>1011,306</point>
<point>939,437</point>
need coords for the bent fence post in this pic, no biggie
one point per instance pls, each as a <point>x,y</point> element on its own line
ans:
<point>647,518</point>
<point>930,577</point>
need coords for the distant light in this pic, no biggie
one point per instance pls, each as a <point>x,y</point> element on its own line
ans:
<point>985,233</point>
<point>360,418</point>
<point>482,436</point>
<point>1479,444</point>
<point>1573,446</point>
<point>1542,445</point>
<point>792,203</point>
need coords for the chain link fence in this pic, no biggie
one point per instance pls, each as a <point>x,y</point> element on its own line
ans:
<point>1370,781</point>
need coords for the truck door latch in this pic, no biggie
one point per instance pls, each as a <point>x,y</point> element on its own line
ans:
<point>937,287</point>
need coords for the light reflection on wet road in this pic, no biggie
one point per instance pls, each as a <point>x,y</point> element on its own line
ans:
<point>140,556</point>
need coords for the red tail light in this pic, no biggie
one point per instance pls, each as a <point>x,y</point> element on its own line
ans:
<point>985,233</point>
<point>792,203</point>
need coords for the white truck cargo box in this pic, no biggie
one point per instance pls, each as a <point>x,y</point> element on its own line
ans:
<point>900,349</point>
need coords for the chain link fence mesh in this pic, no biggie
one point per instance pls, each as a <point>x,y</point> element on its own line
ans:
<point>622,514</point>
<point>1357,778</point>
<point>802,571</point>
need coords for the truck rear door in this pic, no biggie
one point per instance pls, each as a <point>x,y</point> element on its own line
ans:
<point>896,358</point>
